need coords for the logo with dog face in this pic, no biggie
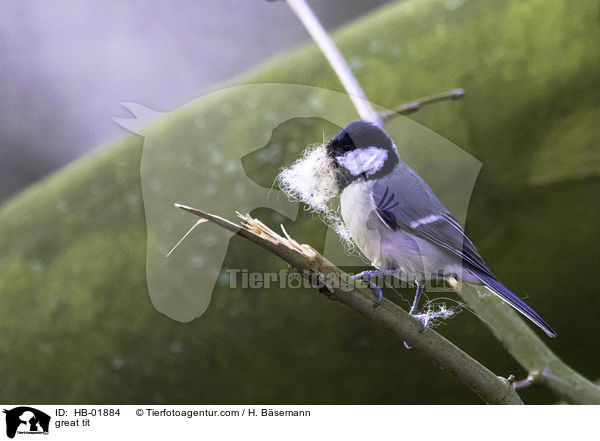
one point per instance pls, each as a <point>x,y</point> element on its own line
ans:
<point>26,420</point>
<point>222,153</point>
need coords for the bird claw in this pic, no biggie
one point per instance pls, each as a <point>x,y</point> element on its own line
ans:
<point>365,276</point>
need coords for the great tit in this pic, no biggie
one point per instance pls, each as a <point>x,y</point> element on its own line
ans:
<point>397,221</point>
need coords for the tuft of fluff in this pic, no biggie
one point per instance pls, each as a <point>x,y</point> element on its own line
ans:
<point>312,180</point>
<point>436,313</point>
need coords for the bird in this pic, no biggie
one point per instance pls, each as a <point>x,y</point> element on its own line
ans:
<point>398,222</point>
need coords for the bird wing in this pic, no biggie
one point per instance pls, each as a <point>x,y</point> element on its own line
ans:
<point>405,202</point>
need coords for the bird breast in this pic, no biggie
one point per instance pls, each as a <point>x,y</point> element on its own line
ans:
<point>384,247</point>
<point>360,216</point>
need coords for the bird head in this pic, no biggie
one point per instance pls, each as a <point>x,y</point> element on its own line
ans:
<point>361,150</point>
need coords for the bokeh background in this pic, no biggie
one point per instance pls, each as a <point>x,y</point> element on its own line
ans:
<point>65,67</point>
<point>77,323</point>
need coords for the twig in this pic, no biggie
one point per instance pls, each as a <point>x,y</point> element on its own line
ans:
<point>491,388</point>
<point>200,221</point>
<point>336,60</point>
<point>347,78</point>
<point>521,384</point>
<point>416,105</point>
<point>529,350</point>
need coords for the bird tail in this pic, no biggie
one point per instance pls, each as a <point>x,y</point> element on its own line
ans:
<point>505,294</point>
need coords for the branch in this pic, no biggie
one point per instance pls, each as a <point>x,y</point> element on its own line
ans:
<point>542,365</point>
<point>416,105</point>
<point>347,78</point>
<point>491,388</point>
<point>335,59</point>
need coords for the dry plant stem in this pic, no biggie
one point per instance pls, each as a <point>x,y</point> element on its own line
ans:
<point>542,365</point>
<point>335,59</point>
<point>347,78</point>
<point>491,388</point>
<point>416,105</point>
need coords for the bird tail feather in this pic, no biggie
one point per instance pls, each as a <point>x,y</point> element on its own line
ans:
<point>505,294</point>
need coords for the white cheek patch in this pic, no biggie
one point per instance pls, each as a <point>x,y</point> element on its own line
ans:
<point>359,161</point>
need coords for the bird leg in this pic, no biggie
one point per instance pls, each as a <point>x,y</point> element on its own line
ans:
<point>366,275</point>
<point>418,294</point>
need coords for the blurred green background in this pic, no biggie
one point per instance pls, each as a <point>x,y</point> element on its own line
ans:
<point>77,323</point>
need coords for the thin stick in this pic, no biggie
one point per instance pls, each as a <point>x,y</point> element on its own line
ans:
<point>416,105</point>
<point>200,221</point>
<point>336,60</point>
